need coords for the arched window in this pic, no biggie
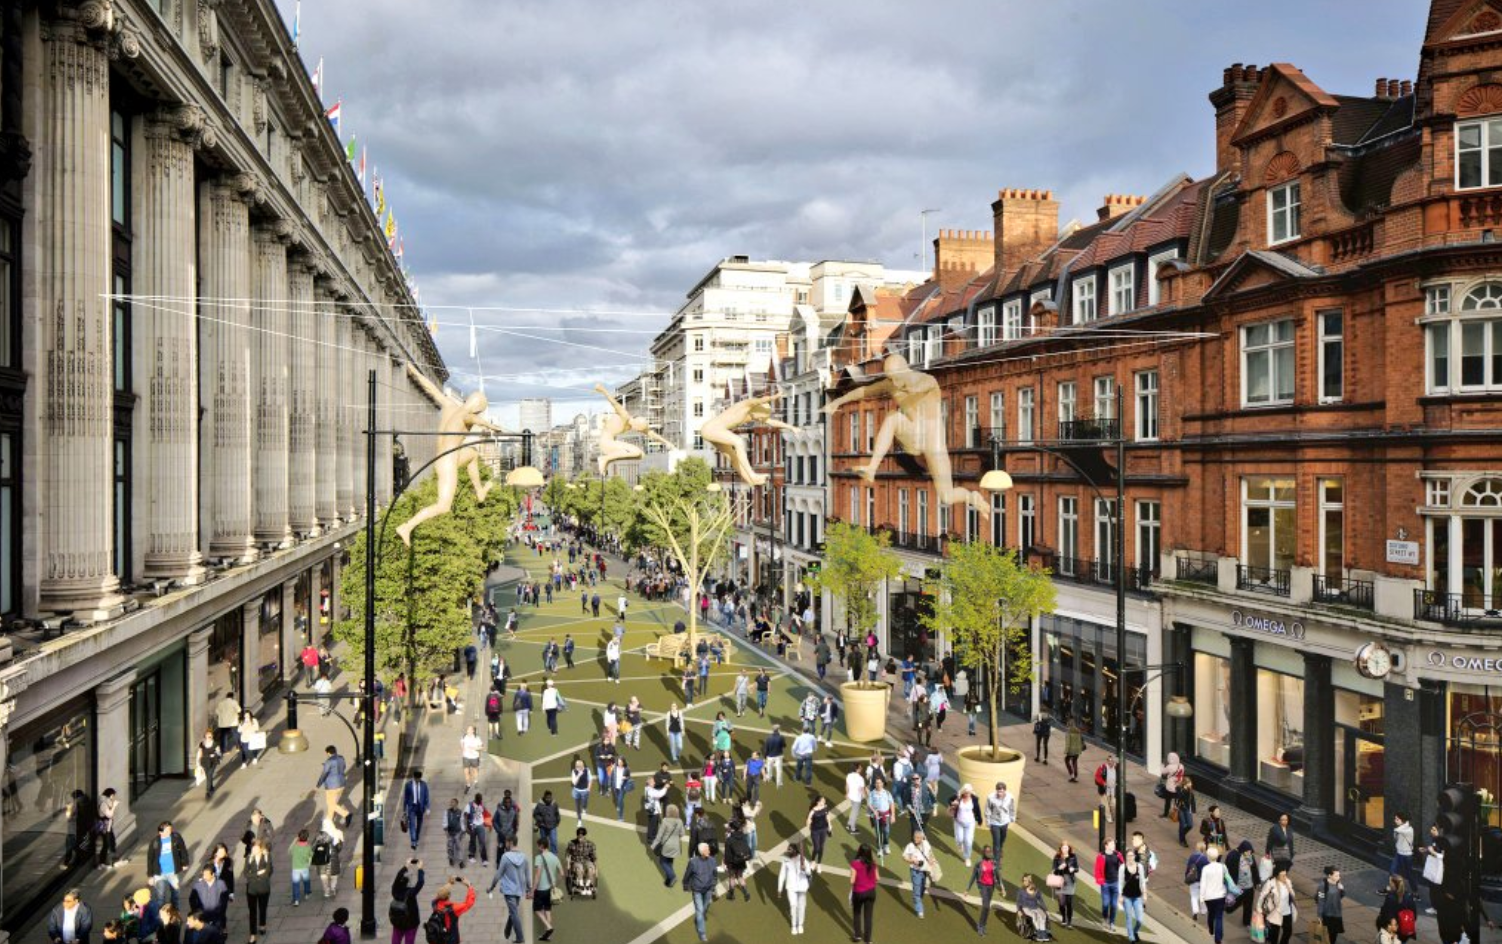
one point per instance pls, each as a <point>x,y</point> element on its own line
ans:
<point>1484,297</point>
<point>1486,493</point>
<point>1464,354</point>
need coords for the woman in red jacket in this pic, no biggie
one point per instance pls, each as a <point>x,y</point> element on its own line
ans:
<point>444,904</point>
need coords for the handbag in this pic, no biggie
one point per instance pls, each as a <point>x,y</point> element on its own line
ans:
<point>1434,869</point>
<point>1054,881</point>
<point>1258,928</point>
<point>403,822</point>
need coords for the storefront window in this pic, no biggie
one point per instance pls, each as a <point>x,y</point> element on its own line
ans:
<point>326,602</point>
<point>225,657</point>
<point>269,672</point>
<point>1212,708</point>
<point>48,759</point>
<point>1474,750</point>
<point>301,606</point>
<point>1360,758</point>
<point>908,607</point>
<point>1079,676</point>
<point>1280,731</point>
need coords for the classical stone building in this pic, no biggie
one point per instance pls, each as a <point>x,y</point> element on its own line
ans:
<point>1303,352</point>
<point>192,292</point>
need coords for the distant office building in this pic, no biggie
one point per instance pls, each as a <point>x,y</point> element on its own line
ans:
<point>537,414</point>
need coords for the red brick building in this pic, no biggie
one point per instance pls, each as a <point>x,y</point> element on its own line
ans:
<point>1306,345</point>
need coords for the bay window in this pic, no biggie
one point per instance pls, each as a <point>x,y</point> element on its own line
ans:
<point>1464,349</point>
<point>1153,261</point>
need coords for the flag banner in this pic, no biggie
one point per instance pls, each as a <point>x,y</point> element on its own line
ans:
<point>349,149</point>
<point>318,79</point>
<point>296,22</point>
<point>333,115</point>
<point>362,170</point>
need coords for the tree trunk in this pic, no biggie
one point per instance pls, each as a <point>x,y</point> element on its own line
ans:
<point>693,583</point>
<point>999,679</point>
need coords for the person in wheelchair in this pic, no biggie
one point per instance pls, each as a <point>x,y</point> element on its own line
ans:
<point>581,865</point>
<point>1032,914</point>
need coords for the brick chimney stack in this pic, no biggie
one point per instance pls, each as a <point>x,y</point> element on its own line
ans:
<point>1026,224</point>
<point>1116,204</point>
<point>1231,101</point>
<point>960,255</point>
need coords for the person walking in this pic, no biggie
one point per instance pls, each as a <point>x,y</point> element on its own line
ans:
<point>446,914</point>
<point>1133,893</point>
<point>793,880</point>
<point>551,701</point>
<point>568,650</point>
<point>477,822</point>
<point>206,762</point>
<point>675,732</point>
<point>984,877</point>
<point>1213,828</point>
<point>829,714</point>
<point>331,779</point>
<point>210,897</point>
<point>1066,866</point>
<point>1042,730</point>
<point>804,746</point>
<point>863,879</point>
<point>613,660</point>
<point>453,831</point>
<point>666,843</point>
<point>514,880</point>
<point>547,874</point>
<point>405,912</point>
<point>1398,905</point>
<point>966,811</point>
<point>227,722</point>
<point>742,692</point>
<point>70,922</point>
<point>167,863</point>
<point>855,795</point>
<point>621,784</point>
<point>104,828</point>
<point>1215,883</point>
<point>258,871</point>
<point>328,856</point>
<point>1329,900</point>
<point>504,819</point>
<point>521,707</point>
<point>1276,905</point>
<point>763,690</point>
<point>579,787</point>
<point>1169,780</point>
<point>883,807</point>
<point>1074,746</point>
<point>737,856</point>
<point>1184,802</point>
<point>1000,813</point>
<point>545,820</point>
<point>1193,866</point>
<point>415,804</point>
<point>699,881</point>
<point>1108,877</point>
<point>773,749</point>
<point>470,746</point>
<point>922,869</point>
<point>817,824</point>
<point>1105,786</point>
<point>1280,842</point>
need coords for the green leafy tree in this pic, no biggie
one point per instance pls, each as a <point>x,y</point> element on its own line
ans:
<point>686,483</point>
<point>985,600</point>
<point>680,514</point>
<point>423,593</point>
<point>856,563</point>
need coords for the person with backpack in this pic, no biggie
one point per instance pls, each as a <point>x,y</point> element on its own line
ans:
<point>514,882</point>
<point>495,703</point>
<point>477,824</point>
<point>1329,899</point>
<point>984,876</point>
<point>737,856</point>
<point>405,912</point>
<point>453,830</point>
<point>328,856</point>
<point>505,819</point>
<point>1192,869</point>
<point>415,805</point>
<point>301,855</point>
<point>442,926</point>
<point>547,875</point>
<point>1398,905</point>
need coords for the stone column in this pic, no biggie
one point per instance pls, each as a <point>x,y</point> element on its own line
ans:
<point>112,727</point>
<point>291,645</point>
<point>164,266</point>
<point>1243,712</point>
<point>270,344</point>
<point>250,640</point>
<point>1319,741</point>
<point>198,686</point>
<point>326,439</point>
<point>346,415</point>
<point>302,358</point>
<point>359,414</point>
<point>72,210</point>
<point>224,310</point>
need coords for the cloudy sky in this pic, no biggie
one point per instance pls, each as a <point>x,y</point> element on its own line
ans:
<point>563,155</point>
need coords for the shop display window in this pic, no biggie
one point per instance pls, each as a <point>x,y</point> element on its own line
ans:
<point>1212,708</point>
<point>46,761</point>
<point>1280,731</point>
<point>1474,749</point>
<point>1360,759</point>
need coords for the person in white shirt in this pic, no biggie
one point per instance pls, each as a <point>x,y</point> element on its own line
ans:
<point>804,746</point>
<point>550,706</point>
<point>1402,848</point>
<point>620,606</point>
<point>855,792</point>
<point>1001,810</point>
<point>613,660</point>
<point>793,880</point>
<point>1213,881</point>
<point>470,746</point>
<point>919,856</point>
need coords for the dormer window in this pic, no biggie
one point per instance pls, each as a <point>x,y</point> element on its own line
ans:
<point>1478,154</point>
<point>1011,321</point>
<point>1283,213</point>
<point>1123,289</point>
<point>1084,299</point>
<point>986,329</point>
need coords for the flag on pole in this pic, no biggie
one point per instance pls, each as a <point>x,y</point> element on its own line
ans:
<point>333,115</point>
<point>401,248</point>
<point>318,79</point>
<point>390,231</point>
<point>380,196</point>
<point>349,149</point>
<point>296,22</point>
<point>362,169</point>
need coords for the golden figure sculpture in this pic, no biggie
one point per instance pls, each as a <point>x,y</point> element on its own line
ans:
<point>456,424</point>
<point>613,449</point>
<point>719,431</point>
<point>918,424</point>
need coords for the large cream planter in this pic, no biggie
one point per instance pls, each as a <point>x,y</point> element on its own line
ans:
<point>981,772</point>
<point>866,710</point>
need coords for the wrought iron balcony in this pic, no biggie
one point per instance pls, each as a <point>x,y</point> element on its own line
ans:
<point>1458,609</point>
<point>1262,579</point>
<point>1343,591</point>
<point>1090,429</point>
<point>918,542</point>
<point>1100,573</point>
<point>979,437</point>
<point>1198,571</point>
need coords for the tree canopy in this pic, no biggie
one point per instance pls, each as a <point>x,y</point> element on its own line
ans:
<point>855,564</point>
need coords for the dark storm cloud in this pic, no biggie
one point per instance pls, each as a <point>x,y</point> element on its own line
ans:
<point>582,154</point>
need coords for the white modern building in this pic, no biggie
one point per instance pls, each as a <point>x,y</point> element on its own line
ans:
<point>536,414</point>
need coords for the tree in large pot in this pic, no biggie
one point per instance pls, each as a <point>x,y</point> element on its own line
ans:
<point>985,601</point>
<point>855,566</point>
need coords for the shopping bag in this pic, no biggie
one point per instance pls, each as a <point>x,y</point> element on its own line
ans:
<point>1318,933</point>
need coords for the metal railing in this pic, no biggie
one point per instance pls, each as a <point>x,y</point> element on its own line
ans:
<point>1101,573</point>
<point>1089,429</point>
<point>1198,571</point>
<point>1343,591</point>
<point>979,437</point>
<point>1457,609</point>
<point>1262,579</point>
<point>916,541</point>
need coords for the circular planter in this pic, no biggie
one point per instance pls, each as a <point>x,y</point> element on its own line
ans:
<point>866,710</point>
<point>979,769</point>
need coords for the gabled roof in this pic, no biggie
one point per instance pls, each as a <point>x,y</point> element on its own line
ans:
<point>1282,75</point>
<point>1282,268</point>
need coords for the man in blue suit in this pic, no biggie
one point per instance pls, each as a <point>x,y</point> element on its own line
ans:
<point>415,805</point>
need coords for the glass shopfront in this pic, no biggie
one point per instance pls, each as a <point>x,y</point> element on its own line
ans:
<point>1280,731</point>
<point>1473,752</point>
<point>326,602</point>
<point>302,591</point>
<point>226,656</point>
<point>47,760</point>
<point>1212,697</point>
<point>158,721</point>
<point>1078,675</point>
<point>269,672</point>
<point>1360,752</point>
<point>907,607</point>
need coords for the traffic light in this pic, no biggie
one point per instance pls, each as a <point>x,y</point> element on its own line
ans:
<point>1459,834</point>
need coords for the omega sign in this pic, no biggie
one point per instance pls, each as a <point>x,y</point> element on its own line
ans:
<point>1266,624</point>
<point>1464,663</point>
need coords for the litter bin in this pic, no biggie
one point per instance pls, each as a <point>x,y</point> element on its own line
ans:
<point>1129,813</point>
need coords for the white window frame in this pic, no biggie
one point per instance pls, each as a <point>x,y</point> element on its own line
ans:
<point>1027,522</point>
<point>1326,507</point>
<point>1331,345</point>
<point>1289,215</point>
<point>922,531</point>
<point>870,506</point>
<point>1270,349</point>
<point>1448,329</point>
<point>1273,505</point>
<point>1105,535</point>
<point>1149,532</point>
<point>998,414</point>
<point>1488,140</point>
<point>1069,529</point>
<point>1146,390</point>
<point>1082,296</point>
<point>1105,398</point>
<point>902,511</point>
<point>1011,320</point>
<point>1068,401</point>
<point>1025,415</point>
<point>855,505</point>
<point>1153,262</point>
<point>855,431</point>
<point>972,421</point>
<point>998,519</point>
<point>985,331</point>
<point>870,430</point>
<point>1123,280</point>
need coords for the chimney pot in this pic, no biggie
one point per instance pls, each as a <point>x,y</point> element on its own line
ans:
<point>1407,88</point>
<point>1381,88</point>
<point>1237,70</point>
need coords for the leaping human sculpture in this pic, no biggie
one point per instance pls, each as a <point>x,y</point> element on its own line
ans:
<point>918,424</point>
<point>613,449</point>
<point>719,431</point>
<point>456,425</point>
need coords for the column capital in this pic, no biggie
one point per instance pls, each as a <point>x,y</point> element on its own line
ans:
<point>276,231</point>
<point>186,121</point>
<point>198,640</point>
<point>114,692</point>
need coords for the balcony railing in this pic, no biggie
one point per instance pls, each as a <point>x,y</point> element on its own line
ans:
<point>1089,429</point>
<point>1262,579</point>
<point>1458,609</point>
<point>1100,573</point>
<point>917,542</point>
<point>979,437</point>
<point>1343,591</point>
<point>1198,571</point>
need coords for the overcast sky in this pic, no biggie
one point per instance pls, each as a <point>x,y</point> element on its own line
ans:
<point>564,154</point>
